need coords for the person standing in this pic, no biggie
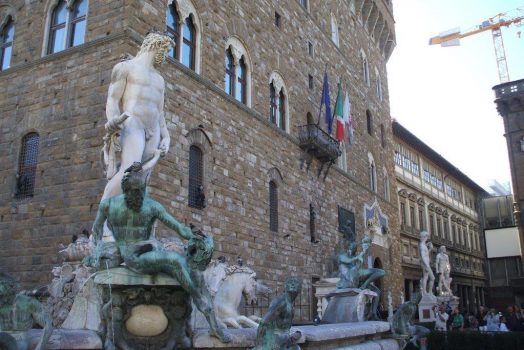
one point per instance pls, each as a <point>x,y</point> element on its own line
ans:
<point>457,322</point>
<point>441,318</point>
<point>492,321</point>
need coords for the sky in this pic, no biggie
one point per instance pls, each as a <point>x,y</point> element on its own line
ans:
<point>444,95</point>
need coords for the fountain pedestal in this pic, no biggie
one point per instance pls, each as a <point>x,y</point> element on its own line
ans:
<point>144,311</point>
<point>348,305</point>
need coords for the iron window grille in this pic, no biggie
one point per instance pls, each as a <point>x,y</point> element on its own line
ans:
<point>25,179</point>
<point>196,198</point>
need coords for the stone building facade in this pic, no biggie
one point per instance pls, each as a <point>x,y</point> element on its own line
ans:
<point>52,112</point>
<point>437,197</point>
<point>510,105</point>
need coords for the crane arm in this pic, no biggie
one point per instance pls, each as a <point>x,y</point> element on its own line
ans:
<point>481,28</point>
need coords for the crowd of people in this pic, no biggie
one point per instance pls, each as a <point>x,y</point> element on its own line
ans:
<point>486,320</point>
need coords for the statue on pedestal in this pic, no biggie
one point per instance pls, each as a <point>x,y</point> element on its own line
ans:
<point>274,329</point>
<point>443,269</point>
<point>17,314</point>
<point>131,217</point>
<point>353,275</point>
<point>428,278</point>
<point>136,127</point>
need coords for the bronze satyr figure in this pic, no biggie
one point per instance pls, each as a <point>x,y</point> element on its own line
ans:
<point>273,331</point>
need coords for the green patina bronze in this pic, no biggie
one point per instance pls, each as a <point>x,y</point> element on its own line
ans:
<point>353,275</point>
<point>274,330</point>
<point>131,217</point>
<point>17,314</point>
<point>402,325</point>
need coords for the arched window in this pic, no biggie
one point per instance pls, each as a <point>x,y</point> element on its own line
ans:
<point>372,172</point>
<point>78,23</point>
<point>378,85</point>
<point>183,25</point>
<point>7,34</point>
<point>67,26</point>
<point>240,86</point>
<point>173,28</point>
<point>196,198</point>
<point>365,67</point>
<point>309,118</point>
<point>229,78</point>
<point>382,136</point>
<point>188,46</point>
<point>57,31</point>
<point>386,185</point>
<point>334,30</point>
<point>25,179</point>
<point>277,101</point>
<point>273,206</point>
<point>369,122</point>
<point>237,71</point>
<point>273,108</point>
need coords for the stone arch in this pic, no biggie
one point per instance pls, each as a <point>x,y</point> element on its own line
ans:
<point>274,174</point>
<point>278,83</point>
<point>238,50</point>
<point>6,12</point>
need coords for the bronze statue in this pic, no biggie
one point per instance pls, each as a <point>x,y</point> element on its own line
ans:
<point>131,216</point>
<point>273,330</point>
<point>353,275</point>
<point>17,314</point>
<point>402,322</point>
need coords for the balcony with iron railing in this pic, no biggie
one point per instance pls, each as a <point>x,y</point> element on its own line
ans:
<point>318,143</point>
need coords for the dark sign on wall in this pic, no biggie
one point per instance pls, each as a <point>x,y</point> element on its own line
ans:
<point>346,223</point>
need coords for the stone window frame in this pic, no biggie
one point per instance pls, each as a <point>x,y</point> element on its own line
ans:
<point>23,169</point>
<point>378,85</point>
<point>387,191</point>
<point>51,5</point>
<point>275,180</point>
<point>369,122</point>
<point>198,137</point>
<point>186,11</point>
<point>421,212</point>
<point>335,31</point>
<point>304,4</point>
<point>365,67</point>
<point>277,81</point>
<point>372,172</point>
<point>238,51</point>
<point>4,44</point>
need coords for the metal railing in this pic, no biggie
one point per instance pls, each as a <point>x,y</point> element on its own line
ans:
<point>318,143</point>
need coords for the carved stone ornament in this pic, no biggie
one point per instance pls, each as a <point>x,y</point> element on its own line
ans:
<point>185,8</point>
<point>403,193</point>
<point>278,82</point>
<point>237,50</point>
<point>412,197</point>
<point>421,201</point>
<point>431,206</point>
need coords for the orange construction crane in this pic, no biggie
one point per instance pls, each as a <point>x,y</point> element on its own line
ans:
<point>452,37</point>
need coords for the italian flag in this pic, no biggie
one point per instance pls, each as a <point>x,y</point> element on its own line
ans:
<point>339,114</point>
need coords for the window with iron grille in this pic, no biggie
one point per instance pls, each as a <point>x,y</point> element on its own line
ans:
<point>25,179</point>
<point>273,206</point>
<point>196,198</point>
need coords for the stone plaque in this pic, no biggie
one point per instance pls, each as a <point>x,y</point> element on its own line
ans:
<point>346,223</point>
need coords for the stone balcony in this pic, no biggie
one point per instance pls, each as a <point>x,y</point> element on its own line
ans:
<point>318,143</point>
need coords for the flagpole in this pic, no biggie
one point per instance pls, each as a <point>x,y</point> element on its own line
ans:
<point>321,98</point>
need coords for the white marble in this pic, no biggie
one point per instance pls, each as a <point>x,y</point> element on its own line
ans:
<point>428,278</point>
<point>443,269</point>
